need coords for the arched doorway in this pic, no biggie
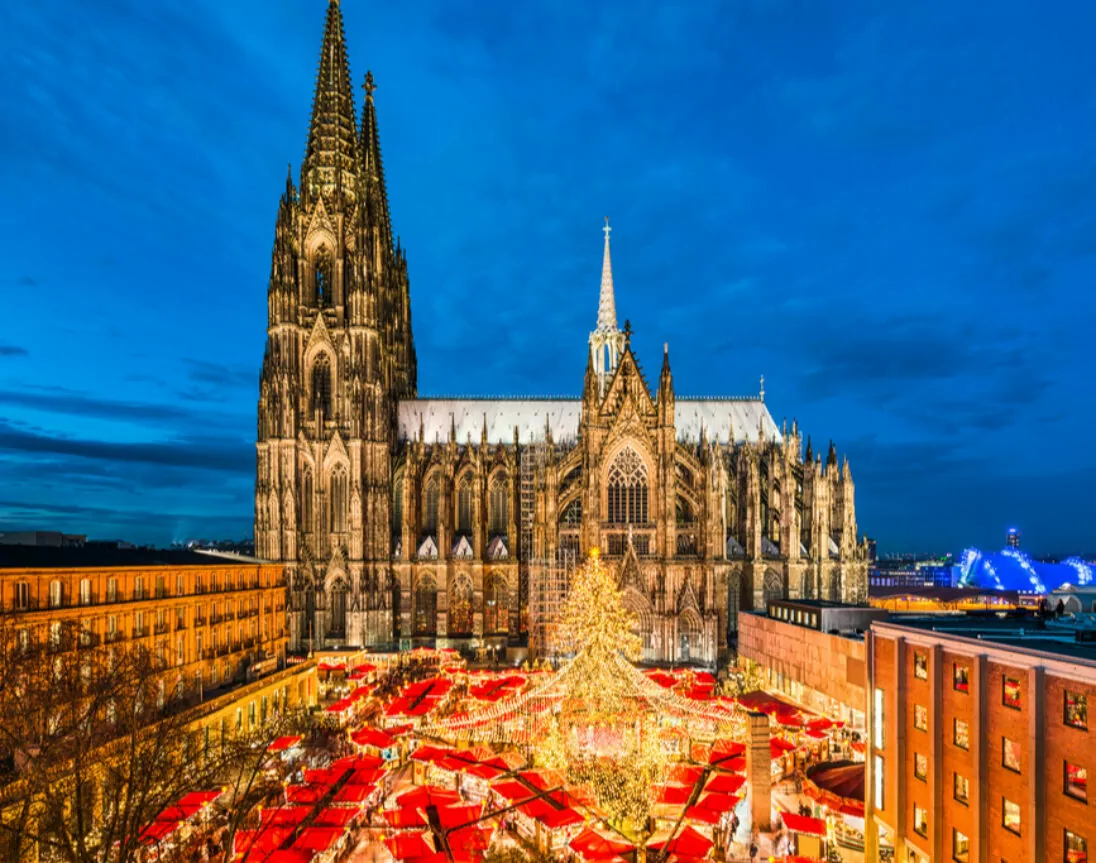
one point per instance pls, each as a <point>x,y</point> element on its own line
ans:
<point>496,605</point>
<point>772,589</point>
<point>460,607</point>
<point>336,608</point>
<point>424,622</point>
<point>635,603</point>
<point>690,637</point>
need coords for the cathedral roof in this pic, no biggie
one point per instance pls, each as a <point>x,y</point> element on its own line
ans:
<point>436,418</point>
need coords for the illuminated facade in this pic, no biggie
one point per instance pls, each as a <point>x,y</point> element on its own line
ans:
<point>979,741</point>
<point>212,620</point>
<point>402,518</point>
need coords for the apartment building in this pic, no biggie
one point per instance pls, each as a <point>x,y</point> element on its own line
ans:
<point>979,745</point>
<point>216,619</point>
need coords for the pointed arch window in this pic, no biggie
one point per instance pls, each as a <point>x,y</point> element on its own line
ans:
<point>306,500</point>
<point>426,607</point>
<point>499,505</point>
<point>321,386</point>
<point>627,489</point>
<point>397,505</point>
<point>324,277</point>
<point>430,506</point>
<point>464,505</point>
<point>339,500</point>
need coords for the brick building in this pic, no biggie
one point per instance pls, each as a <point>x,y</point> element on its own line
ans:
<point>979,747</point>
<point>215,619</point>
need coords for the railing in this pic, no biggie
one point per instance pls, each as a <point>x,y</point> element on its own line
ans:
<point>161,593</point>
<point>207,653</point>
<point>180,623</point>
<point>222,650</point>
<point>116,635</point>
<point>30,604</point>
<point>199,620</point>
<point>139,632</point>
<point>162,629</point>
<point>215,618</point>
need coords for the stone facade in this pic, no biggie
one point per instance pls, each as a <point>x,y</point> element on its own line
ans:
<point>401,518</point>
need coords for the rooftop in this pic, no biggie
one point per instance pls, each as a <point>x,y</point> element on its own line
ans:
<point>1074,638</point>
<point>93,557</point>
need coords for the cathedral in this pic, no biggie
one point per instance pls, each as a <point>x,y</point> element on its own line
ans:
<point>405,520</point>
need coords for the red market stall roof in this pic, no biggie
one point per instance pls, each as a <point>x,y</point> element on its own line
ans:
<point>407,845</point>
<point>404,818</point>
<point>260,841</point>
<point>429,753</point>
<point>285,855</point>
<point>284,816</point>
<point>702,815</point>
<point>725,783</point>
<point>804,824</point>
<point>353,793</point>
<point>340,706</point>
<point>766,702</point>
<point>372,737</point>
<point>684,774</point>
<point>593,846</point>
<point>198,798</point>
<point>718,802</point>
<point>156,831</point>
<point>305,793</point>
<point>724,749</point>
<point>451,817</point>
<point>688,842</point>
<point>427,795</point>
<point>179,812</point>
<point>778,746</point>
<point>335,817</point>
<point>317,839</point>
<point>284,743</point>
<point>677,794</point>
<point>359,762</point>
<point>469,840</point>
<point>513,790</point>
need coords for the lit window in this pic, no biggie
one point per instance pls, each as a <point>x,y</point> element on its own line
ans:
<point>1010,816</point>
<point>1076,848</point>
<point>877,781</point>
<point>961,790</point>
<point>960,846</point>
<point>1010,754</point>
<point>1076,782</point>
<point>22,595</point>
<point>112,590</point>
<point>56,594</point>
<point>920,820</point>
<point>1010,696</point>
<point>877,720</point>
<point>920,717</point>
<point>920,766</point>
<point>1076,709</point>
<point>961,677</point>
<point>921,666</point>
<point>962,734</point>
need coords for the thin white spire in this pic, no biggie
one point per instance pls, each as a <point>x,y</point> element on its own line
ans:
<point>606,307</point>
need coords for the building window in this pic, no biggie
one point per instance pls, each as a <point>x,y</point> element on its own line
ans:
<point>877,781</point>
<point>85,591</point>
<point>961,677</point>
<point>321,387</point>
<point>1010,816</point>
<point>56,594</point>
<point>921,666</point>
<point>464,505</point>
<point>430,506</point>
<point>139,587</point>
<point>340,500</point>
<point>1076,781</point>
<point>180,585</point>
<point>139,624</point>
<point>397,505</point>
<point>1010,695</point>
<point>22,596</point>
<point>960,846</point>
<point>962,734</point>
<point>1076,709</point>
<point>239,718</point>
<point>498,505</point>
<point>55,634</point>
<point>627,489</point>
<point>920,717</point>
<point>920,766</point>
<point>961,789</point>
<point>1010,754</point>
<point>112,590</point>
<point>920,820</point>
<point>877,723</point>
<point>1075,848</point>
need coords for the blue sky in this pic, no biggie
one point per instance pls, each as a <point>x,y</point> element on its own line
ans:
<point>889,210</point>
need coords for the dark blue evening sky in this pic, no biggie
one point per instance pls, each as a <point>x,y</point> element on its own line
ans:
<point>888,209</point>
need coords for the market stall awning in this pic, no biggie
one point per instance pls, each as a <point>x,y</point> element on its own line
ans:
<point>335,817</point>
<point>353,793</point>
<point>372,737</point>
<point>284,743</point>
<point>725,783</point>
<point>317,839</point>
<point>838,785</point>
<point>427,795</point>
<point>157,831</point>
<point>404,818</point>
<point>804,824</point>
<point>702,815</point>
<point>718,802</point>
<point>673,793</point>
<point>594,846</point>
<point>778,746</point>
<point>407,845</point>
<point>688,842</point>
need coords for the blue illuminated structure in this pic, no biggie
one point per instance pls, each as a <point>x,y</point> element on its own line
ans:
<point>1012,569</point>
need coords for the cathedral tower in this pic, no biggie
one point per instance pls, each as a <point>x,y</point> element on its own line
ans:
<point>339,353</point>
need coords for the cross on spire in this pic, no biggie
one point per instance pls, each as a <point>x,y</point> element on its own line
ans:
<point>369,86</point>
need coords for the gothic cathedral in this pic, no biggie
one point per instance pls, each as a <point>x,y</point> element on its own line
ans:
<point>406,520</point>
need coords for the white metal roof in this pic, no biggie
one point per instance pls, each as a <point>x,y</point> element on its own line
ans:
<point>437,417</point>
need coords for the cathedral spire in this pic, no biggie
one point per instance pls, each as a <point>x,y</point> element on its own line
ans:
<point>607,343</point>
<point>370,147</point>
<point>606,307</point>
<point>332,141</point>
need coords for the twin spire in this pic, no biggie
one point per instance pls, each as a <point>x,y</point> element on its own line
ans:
<point>607,343</point>
<point>606,307</point>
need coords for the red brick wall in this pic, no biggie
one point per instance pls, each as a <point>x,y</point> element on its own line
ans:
<point>1001,782</point>
<point>1064,743</point>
